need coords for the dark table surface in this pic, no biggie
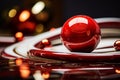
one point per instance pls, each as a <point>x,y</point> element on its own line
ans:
<point>24,69</point>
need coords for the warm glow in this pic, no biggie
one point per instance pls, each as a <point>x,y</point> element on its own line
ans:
<point>12,13</point>
<point>19,62</point>
<point>19,35</point>
<point>27,26</point>
<point>24,71</point>
<point>46,75</point>
<point>38,7</point>
<point>117,71</point>
<point>39,28</point>
<point>42,16</point>
<point>24,15</point>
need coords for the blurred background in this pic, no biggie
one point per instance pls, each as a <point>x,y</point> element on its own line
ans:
<point>33,17</point>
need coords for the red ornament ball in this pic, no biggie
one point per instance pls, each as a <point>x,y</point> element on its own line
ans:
<point>117,45</point>
<point>80,33</point>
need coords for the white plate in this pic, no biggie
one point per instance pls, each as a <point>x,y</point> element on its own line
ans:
<point>21,49</point>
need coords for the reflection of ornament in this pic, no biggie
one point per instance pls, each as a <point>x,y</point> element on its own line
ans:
<point>80,33</point>
<point>44,43</point>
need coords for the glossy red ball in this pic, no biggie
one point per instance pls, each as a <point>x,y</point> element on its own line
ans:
<point>80,33</point>
<point>117,45</point>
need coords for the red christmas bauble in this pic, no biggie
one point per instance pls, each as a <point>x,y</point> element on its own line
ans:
<point>80,33</point>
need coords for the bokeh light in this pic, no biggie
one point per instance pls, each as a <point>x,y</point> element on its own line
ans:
<point>117,71</point>
<point>18,61</point>
<point>38,7</point>
<point>39,28</point>
<point>46,75</point>
<point>19,36</point>
<point>24,15</point>
<point>24,71</point>
<point>29,17</point>
<point>12,13</point>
